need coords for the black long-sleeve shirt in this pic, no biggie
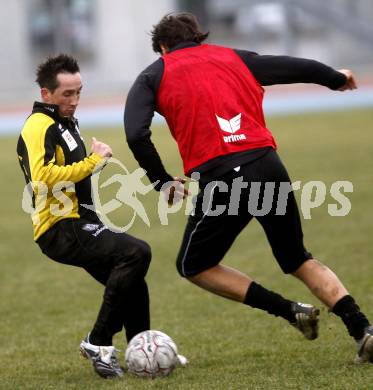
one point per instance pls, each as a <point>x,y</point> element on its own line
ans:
<point>267,70</point>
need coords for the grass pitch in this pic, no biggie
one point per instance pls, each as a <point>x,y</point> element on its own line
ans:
<point>46,308</point>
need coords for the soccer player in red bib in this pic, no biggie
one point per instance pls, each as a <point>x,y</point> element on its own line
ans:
<point>211,98</point>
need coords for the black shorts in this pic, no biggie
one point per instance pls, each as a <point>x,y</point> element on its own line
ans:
<point>208,237</point>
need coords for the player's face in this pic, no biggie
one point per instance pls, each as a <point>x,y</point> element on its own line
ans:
<point>66,96</point>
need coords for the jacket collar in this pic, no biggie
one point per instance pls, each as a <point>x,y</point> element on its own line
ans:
<point>183,45</point>
<point>52,111</point>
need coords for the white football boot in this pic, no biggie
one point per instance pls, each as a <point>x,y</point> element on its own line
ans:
<point>104,359</point>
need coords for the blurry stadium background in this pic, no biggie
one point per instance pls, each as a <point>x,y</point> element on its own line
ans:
<point>111,40</point>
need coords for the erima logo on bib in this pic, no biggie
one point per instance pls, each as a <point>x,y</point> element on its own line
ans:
<point>69,139</point>
<point>231,126</point>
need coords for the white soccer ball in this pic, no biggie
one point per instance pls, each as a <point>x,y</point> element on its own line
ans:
<point>151,353</point>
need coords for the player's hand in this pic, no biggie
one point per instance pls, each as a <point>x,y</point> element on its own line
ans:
<point>101,149</point>
<point>350,82</point>
<point>176,191</point>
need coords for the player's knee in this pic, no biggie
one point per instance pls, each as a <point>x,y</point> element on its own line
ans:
<point>291,261</point>
<point>134,260</point>
<point>310,265</point>
<point>143,255</point>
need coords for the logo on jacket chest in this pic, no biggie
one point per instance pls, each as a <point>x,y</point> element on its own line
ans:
<point>68,138</point>
<point>231,126</point>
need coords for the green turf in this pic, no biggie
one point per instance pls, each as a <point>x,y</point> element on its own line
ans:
<point>46,308</point>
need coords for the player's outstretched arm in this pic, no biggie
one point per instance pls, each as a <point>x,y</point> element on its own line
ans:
<point>271,70</point>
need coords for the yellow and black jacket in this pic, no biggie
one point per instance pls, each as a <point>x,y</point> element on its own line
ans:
<point>53,158</point>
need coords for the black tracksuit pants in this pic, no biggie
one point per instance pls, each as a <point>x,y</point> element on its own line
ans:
<point>117,260</point>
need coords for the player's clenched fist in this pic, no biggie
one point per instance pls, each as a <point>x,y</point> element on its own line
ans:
<point>350,80</point>
<point>100,148</point>
<point>175,191</point>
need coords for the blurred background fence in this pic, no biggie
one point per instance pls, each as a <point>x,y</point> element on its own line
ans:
<point>112,42</point>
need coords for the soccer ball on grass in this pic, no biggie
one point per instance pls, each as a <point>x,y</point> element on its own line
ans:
<point>152,353</point>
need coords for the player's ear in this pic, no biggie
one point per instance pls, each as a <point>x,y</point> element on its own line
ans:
<point>164,49</point>
<point>46,95</point>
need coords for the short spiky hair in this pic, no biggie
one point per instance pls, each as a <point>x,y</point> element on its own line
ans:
<point>176,28</point>
<point>47,71</point>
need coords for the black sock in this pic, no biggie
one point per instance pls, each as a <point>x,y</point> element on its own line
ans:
<point>273,303</point>
<point>355,321</point>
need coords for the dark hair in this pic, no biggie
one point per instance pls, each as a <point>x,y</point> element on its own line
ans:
<point>176,28</point>
<point>47,71</point>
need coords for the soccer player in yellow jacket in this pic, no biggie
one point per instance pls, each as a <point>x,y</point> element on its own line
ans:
<point>57,170</point>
